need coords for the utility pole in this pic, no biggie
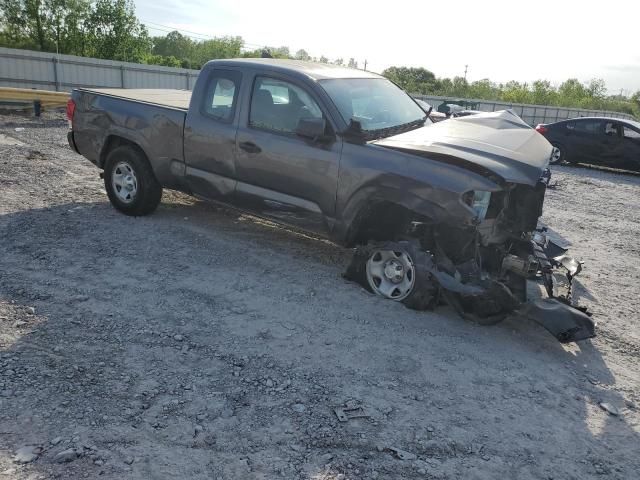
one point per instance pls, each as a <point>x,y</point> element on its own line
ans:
<point>365,63</point>
<point>465,72</point>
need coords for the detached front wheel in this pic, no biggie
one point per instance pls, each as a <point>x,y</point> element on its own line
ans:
<point>131,186</point>
<point>396,271</point>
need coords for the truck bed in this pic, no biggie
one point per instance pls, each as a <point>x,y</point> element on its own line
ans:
<point>164,97</point>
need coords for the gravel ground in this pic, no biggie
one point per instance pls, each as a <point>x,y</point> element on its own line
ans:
<point>199,343</point>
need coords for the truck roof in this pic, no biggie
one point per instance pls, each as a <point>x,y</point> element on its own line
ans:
<point>313,70</point>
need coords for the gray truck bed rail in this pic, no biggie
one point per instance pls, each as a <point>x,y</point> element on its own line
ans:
<point>158,96</point>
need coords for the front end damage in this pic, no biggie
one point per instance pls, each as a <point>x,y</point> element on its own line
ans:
<point>483,248</point>
<point>484,270</point>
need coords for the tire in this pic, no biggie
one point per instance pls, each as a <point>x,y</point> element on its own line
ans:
<point>558,154</point>
<point>131,186</point>
<point>423,292</point>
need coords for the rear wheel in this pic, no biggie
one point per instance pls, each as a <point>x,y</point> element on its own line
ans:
<point>131,186</point>
<point>396,271</point>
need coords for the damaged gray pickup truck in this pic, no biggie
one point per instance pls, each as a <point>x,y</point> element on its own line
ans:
<point>438,213</point>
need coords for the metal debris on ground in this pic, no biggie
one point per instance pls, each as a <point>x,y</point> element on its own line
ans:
<point>349,412</point>
<point>402,454</point>
<point>607,407</point>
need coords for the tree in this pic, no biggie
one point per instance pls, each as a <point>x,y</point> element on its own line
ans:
<point>571,92</point>
<point>338,61</point>
<point>413,80</point>
<point>222,47</point>
<point>516,92</point>
<point>459,86</point>
<point>115,33</point>
<point>302,55</point>
<point>352,63</point>
<point>323,59</point>
<point>596,88</point>
<point>281,52</point>
<point>174,44</point>
<point>170,61</point>
<point>46,25</point>
<point>484,88</point>
<point>543,93</point>
<point>443,86</point>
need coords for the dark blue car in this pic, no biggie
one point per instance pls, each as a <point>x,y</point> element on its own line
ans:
<point>611,142</point>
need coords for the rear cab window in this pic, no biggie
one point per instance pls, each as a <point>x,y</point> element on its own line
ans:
<point>221,95</point>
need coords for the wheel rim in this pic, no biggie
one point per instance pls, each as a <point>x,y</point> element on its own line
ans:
<point>124,182</point>
<point>556,155</point>
<point>391,274</point>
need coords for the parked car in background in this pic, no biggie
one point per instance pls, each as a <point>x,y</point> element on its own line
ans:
<point>466,113</point>
<point>434,116</point>
<point>610,142</point>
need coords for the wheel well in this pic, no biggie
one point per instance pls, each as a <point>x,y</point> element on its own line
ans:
<point>114,141</point>
<point>381,221</point>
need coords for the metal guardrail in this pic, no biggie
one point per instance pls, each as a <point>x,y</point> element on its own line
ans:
<point>26,95</point>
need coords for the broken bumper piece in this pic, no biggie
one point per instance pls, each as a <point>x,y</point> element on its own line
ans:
<point>489,301</point>
<point>566,323</point>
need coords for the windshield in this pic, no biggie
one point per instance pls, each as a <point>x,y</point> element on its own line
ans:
<point>374,102</point>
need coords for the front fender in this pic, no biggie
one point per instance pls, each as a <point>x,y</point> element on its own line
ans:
<point>436,205</point>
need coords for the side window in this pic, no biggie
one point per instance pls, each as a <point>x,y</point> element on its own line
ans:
<point>278,105</point>
<point>631,133</point>
<point>612,129</point>
<point>221,96</point>
<point>588,126</point>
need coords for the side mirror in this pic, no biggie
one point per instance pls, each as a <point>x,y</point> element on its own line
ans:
<point>312,128</point>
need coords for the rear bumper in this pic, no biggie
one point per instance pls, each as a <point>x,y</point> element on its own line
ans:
<point>72,142</point>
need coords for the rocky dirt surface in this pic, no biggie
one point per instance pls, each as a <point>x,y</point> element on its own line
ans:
<point>200,343</point>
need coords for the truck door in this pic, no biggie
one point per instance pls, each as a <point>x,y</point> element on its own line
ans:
<point>210,133</point>
<point>287,176</point>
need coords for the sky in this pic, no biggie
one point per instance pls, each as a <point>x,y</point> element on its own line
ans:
<point>500,40</point>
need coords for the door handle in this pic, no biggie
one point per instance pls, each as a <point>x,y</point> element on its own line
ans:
<point>250,147</point>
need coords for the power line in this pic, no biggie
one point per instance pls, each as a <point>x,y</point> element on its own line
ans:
<point>179,30</point>
<point>203,36</point>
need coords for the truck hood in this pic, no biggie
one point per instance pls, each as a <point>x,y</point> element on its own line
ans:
<point>498,142</point>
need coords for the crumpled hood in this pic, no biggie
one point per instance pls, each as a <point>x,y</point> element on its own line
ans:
<point>500,142</point>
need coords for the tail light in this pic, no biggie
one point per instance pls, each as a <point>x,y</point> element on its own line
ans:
<point>71,110</point>
<point>542,129</point>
